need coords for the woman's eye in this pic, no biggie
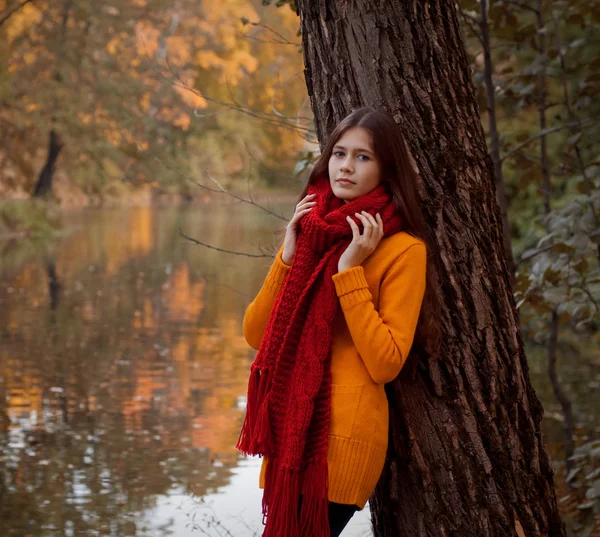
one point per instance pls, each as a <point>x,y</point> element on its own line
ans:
<point>365,157</point>
<point>338,153</point>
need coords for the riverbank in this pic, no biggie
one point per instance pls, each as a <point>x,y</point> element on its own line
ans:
<point>23,217</point>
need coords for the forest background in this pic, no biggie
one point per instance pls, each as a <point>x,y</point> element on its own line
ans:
<point>148,101</point>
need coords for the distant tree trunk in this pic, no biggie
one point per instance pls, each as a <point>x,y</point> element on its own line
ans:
<point>466,453</point>
<point>44,182</point>
<point>565,404</point>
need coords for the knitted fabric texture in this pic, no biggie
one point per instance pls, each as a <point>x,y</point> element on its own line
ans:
<point>289,390</point>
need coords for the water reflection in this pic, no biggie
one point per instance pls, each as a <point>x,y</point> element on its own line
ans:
<point>123,368</point>
<point>123,372</point>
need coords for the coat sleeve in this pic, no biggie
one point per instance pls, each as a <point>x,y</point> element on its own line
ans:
<point>383,338</point>
<point>258,311</point>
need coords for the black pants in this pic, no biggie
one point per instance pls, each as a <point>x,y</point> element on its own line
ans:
<point>339,516</point>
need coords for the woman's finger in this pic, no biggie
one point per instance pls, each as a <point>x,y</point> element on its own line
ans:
<point>303,204</point>
<point>377,225</point>
<point>370,218</point>
<point>355,231</point>
<point>380,222</point>
<point>364,219</point>
<point>368,227</point>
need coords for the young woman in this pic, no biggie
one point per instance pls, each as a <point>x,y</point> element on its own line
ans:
<point>348,298</point>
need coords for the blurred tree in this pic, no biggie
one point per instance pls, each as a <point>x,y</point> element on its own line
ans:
<point>122,87</point>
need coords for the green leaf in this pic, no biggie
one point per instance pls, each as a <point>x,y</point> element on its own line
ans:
<point>552,276</point>
<point>581,266</point>
<point>572,474</point>
<point>561,247</point>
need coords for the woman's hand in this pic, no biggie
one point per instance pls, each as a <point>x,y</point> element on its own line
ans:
<point>362,246</point>
<point>289,243</point>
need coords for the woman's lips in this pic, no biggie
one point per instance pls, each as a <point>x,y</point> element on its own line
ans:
<point>345,182</point>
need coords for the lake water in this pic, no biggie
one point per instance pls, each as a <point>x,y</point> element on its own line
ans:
<point>123,373</point>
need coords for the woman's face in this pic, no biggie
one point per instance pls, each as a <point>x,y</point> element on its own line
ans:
<point>353,158</point>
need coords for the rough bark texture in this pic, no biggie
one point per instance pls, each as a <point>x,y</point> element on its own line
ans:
<point>466,452</point>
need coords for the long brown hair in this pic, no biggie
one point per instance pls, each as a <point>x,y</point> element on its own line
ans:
<point>398,170</point>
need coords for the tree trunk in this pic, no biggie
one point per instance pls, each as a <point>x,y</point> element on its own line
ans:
<point>466,454</point>
<point>44,182</point>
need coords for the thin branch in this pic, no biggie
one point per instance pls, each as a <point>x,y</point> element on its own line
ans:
<point>196,241</point>
<point>268,41</point>
<point>520,5</point>
<point>178,82</point>
<point>544,133</point>
<point>534,254</point>
<point>13,10</point>
<point>288,178</point>
<point>284,40</point>
<point>470,21</point>
<point>220,190</point>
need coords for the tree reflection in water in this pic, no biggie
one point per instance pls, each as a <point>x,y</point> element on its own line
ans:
<point>128,387</point>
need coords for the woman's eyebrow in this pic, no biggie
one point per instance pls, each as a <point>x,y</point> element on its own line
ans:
<point>358,149</point>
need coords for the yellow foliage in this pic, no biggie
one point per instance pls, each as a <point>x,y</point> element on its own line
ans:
<point>165,114</point>
<point>178,50</point>
<point>23,19</point>
<point>29,57</point>
<point>145,101</point>
<point>246,60</point>
<point>112,136</point>
<point>190,98</point>
<point>84,118</point>
<point>208,59</point>
<point>112,45</point>
<point>183,121</point>
<point>147,37</point>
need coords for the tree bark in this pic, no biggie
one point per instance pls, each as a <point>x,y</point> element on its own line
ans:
<point>44,182</point>
<point>466,454</point>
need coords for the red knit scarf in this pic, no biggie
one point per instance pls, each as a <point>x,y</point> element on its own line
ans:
<point>289,391</point>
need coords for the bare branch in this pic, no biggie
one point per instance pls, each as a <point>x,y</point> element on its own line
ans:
<point>533,254</point>
<point>196,241</point>
<point>520,5</point>
<point>221,190</point>
<point>283,40</point>
<point>10,12</point>
<point>471,21</point>
<point>268,118</point>
<point>545,132</point>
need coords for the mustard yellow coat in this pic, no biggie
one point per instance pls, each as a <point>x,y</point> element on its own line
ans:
<point>372,336</point>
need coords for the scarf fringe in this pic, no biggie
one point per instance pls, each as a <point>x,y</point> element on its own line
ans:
<point>262,432</point>
<point>281,498</point>
<point>246,443</point>
<point>314,515</point>
<point>280,506</point>
<point>255,435</point>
